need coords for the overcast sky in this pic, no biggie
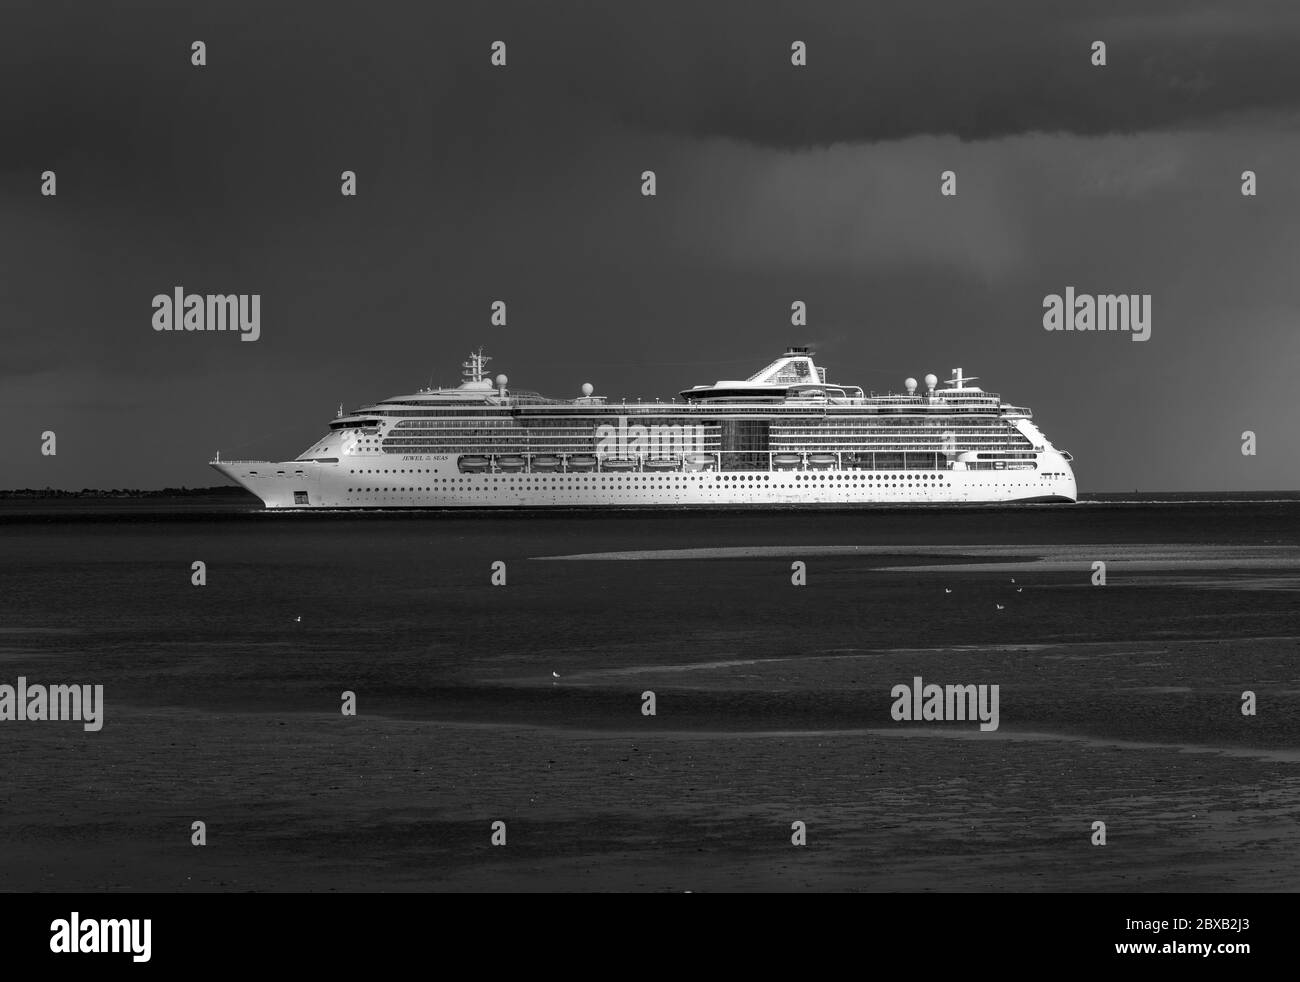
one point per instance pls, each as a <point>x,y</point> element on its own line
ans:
<point>775,183</point>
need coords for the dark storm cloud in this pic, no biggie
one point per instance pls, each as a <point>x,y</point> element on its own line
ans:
<point>882,71</point>
<point>107,97</point>
<point>86,83</point>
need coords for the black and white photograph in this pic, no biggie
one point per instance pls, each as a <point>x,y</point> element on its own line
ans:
<point>710,447</point>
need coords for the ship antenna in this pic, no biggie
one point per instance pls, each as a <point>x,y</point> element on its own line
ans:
<point>476,367</point>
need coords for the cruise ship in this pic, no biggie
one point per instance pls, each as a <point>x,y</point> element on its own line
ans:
<point>785,436</point>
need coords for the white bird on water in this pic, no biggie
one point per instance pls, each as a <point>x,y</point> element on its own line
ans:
<point>999,607</point>
<point>298,619</point>
<point>947,589</point>
<point>556,674</point>
<point>1019,588</point>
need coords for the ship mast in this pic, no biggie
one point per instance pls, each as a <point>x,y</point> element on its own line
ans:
<point>476,368</point>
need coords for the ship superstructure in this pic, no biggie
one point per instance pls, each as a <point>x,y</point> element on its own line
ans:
<point>784,436</point>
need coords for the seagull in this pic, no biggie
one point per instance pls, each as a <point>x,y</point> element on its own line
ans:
<point>298,619</point>
<point>947,590</point>
<point>555,674</point>
<point>1019,588</point>
<point>999,607</point>
<point>1013,579</point>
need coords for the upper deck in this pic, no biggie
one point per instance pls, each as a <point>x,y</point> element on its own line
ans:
<point>793,385</point>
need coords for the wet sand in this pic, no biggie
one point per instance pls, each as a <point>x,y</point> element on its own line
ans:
<point>702,796</point>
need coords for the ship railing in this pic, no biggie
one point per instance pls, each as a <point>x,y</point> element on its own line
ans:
<point>760,404</point>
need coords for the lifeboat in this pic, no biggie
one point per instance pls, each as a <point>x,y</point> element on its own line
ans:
<point>786,461</point>
<point>510,463</point>
<point>582,462</point>
<point>701,461</point>
<point>546,463</point>
<point>618,464</point>
<point>663,464</point>
<point>821,461</point>
<point>473,465</point>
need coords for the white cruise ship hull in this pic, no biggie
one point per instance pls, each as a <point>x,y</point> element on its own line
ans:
<point>437,482</point>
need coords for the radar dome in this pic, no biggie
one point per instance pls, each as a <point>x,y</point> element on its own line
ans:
<point>931,381</point>
<point>910,384</point>
<point>501,381</point>
<point>588,388</point>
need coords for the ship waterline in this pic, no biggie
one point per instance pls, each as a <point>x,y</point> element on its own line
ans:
<point>783,437</point>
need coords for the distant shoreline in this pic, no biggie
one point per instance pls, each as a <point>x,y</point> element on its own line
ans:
<point>219,491</point>
<point>231,491</point>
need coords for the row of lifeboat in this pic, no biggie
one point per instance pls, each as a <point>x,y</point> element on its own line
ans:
<point>587,463</point>
<point>581,463</point>
<point>798,461</point>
